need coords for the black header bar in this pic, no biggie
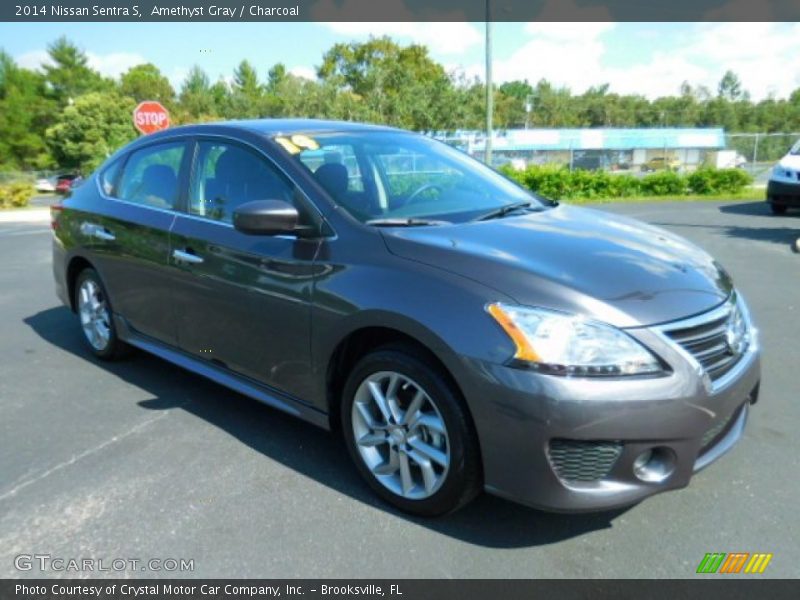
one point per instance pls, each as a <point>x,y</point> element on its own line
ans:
<point>703,587</point>
<point>399,10</point>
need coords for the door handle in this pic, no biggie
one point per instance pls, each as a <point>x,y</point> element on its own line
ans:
<point>104,234</point>
<point>97,231</point>
<point>187,257</point>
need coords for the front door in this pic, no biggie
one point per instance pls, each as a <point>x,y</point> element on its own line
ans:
<point>241,301</point>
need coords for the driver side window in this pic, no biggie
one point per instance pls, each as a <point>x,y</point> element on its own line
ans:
<point>227,175</point>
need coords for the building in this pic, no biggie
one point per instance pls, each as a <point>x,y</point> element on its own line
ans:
<point>614,149</point>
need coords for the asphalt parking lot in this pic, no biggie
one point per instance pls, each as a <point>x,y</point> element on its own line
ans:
<point>140,459</point>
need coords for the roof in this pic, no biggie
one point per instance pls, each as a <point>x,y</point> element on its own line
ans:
<point>278,126</point>
<point>604,139</point>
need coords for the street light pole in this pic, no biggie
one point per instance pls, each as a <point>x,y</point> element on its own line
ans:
<point>487,158</point>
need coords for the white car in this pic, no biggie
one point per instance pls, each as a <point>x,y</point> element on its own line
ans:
<point>45,185</point>
<point>783,189</point>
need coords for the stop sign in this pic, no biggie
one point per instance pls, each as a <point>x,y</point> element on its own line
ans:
<point>150,117</point>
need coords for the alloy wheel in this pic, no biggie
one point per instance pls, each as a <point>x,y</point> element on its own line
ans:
<point>94,314</point>
<point>400,435</point>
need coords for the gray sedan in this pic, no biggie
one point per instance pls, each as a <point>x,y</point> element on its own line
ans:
<point>459,332</point>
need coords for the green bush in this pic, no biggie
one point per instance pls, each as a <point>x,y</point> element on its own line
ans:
<point>15,195</point>
<point>664,183</point>
<point>559,183</point>
<point>718,181</point>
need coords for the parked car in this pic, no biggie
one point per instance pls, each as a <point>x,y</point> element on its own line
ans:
<point>45,185</point>
<point>64,183</point>
<point>460,333</point>
<point>591,162</point>
<point>783,187</point>
<point>660,163</point>
<point>725,159</point>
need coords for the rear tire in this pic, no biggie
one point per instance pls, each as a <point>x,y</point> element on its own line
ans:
<point>409,433</point>
<point>96,317</point>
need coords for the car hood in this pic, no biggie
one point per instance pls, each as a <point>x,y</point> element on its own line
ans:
<point>790,161</point>
<point>611,268</point>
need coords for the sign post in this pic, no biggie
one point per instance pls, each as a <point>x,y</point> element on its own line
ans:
<point>150,116</point>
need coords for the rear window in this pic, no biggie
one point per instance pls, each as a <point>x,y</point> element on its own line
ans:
<point>108,177</point>
<point>150,176</point>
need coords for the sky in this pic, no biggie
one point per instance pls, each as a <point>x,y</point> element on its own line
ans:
<point>652,59</point>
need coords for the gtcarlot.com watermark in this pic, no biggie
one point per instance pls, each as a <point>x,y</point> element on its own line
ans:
<point>58,564</point>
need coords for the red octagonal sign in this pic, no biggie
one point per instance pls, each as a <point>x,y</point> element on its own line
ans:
<point>150,116</point>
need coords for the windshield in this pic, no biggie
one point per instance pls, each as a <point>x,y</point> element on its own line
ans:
<point>795,149</point>
<point>399,176</point>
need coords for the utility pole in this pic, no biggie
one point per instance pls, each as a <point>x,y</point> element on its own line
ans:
<point>528,109</point>
<point>487,157</point>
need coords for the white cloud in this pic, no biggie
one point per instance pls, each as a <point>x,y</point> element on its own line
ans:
<point>574,55</point>
<point>110,65</point>
<point>441,38</point>
<point>304,72</point>
<point>33,60</point>
<point>115,63</point>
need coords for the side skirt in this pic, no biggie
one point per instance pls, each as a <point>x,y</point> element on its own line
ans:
<point>222,376</point>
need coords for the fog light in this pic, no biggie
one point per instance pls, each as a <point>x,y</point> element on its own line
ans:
<point>654,465</point>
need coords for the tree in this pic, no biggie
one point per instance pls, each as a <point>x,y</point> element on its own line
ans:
<point>401,85</point>
<point>91,129</point>
<point>69,75</point>
<point>145,82</point>
<point>196,99</point>
<point>25,113</point>
<point>246,94</point>
<point>730,88</point>
<point>276,75</point>
<point>511,102</point>
<point>245,79</point>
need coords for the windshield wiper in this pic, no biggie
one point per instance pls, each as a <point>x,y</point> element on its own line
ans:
<point>503,211</point>
<point>404,222</point>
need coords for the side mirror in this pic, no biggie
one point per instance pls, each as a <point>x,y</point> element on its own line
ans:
<point>266,217</point>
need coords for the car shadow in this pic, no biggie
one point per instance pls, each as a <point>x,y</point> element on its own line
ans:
<point>784,235</point>
<point>309,450</point>
<point>753,209</point>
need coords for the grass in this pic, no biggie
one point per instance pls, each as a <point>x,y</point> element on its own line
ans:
<point>26,207</point>
<point>756,194</point>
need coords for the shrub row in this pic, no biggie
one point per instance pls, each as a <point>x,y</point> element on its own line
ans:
<point>559,183</point>
<point>15,195</point>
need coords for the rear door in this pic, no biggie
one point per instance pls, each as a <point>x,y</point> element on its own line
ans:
<point>241,301</point>
<point>129,235</point>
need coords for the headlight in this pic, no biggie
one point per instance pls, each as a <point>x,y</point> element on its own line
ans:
<point>566,344</point>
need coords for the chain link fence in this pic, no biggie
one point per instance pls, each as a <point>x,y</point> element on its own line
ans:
<point>645,152</point>
<point>758,152</point>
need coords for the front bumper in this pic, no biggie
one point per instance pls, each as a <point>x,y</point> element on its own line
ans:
<point>783,193</point>
<point>689,422</point>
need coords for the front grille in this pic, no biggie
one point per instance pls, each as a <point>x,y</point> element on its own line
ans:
<point>714,432</point>
<point>577,460</point>
<point>717,343</point>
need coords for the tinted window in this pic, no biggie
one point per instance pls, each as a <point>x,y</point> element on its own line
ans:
<point>227,175</point>
<point>334,154</point>
<point>151,175</point>
<point>109,177</point>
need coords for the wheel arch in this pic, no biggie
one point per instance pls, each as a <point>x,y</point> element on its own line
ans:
<point>77,264</point>
<point>367,337</point>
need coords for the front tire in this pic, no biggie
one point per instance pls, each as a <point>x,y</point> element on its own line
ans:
<point>778,209</point>
<point>95,314</point>
<point>409,433</point>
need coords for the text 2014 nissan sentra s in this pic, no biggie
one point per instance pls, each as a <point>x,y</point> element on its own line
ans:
<point>459,332</point>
